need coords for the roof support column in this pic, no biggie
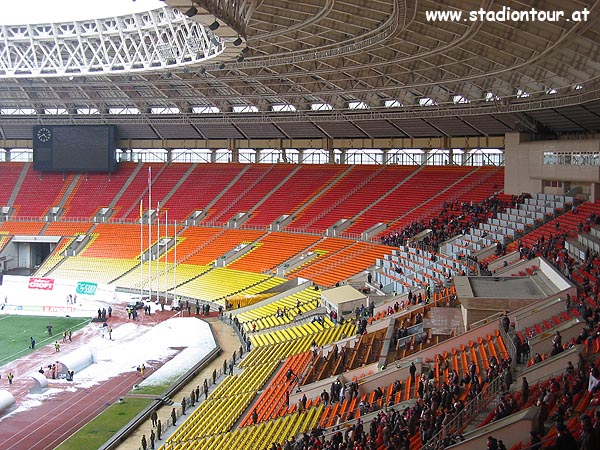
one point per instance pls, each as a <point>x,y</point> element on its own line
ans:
<point>328,146</point>
<point>301,155</point>
<point>126,154</point>
<point>7,154</point>
<point>384,157</point>
<point>235,152</point>
<point>595,192</point>
<point>169,155</point>
<point>213,155</point>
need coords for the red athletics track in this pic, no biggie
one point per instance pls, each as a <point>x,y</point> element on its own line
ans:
<point>46,425</point>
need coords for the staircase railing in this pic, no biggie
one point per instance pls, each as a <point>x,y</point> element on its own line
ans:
<point>510,346</point>
<point>480,403</point>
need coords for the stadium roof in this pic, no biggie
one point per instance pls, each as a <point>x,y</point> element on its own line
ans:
<point>37,11</point>
<point>353,68</point>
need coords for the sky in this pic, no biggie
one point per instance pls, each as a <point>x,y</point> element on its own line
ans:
<point>45,11</point>
<point>148,343</point>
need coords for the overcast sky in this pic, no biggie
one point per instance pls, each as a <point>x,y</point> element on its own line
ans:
<point>16,12</point>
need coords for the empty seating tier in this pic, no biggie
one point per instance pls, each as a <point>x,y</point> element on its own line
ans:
<point>21,228</point>
<point>116,240</point>
<point>94,191</point>
<point>272,250</point>
<point>217,284</point>
<point>39,192</point>
<point>9,175</point>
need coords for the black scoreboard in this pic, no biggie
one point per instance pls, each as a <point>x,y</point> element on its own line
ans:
<point>75,148</point>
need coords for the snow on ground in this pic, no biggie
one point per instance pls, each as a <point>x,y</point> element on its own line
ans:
<point>134,345</point>
<point>175,344</point>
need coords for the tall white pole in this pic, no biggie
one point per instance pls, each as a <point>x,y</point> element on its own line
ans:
<point>158,251</point>
<point>150,232</point>
<point>141,249</point>
<point>166,262</point>
<point>175,263</point>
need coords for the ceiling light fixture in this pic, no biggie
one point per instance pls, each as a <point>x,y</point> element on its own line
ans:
<point>191,12</point>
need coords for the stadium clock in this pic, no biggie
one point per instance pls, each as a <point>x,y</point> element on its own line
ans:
<point>44,134</point>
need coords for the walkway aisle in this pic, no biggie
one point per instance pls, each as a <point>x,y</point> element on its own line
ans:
<point>229,342</point>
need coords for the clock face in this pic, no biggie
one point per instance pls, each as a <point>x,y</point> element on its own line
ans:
<point>44,134</point>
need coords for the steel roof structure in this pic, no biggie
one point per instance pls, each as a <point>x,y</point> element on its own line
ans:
<point>344,69</point>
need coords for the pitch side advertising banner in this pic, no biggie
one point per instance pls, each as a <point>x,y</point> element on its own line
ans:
<point>86,288</point>
<point>45,284</point>
<point>53,296</point>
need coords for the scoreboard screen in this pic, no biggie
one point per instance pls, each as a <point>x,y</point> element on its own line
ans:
<point>74,148</point>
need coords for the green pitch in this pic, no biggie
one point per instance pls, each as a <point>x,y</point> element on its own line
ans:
<point>16,333</point>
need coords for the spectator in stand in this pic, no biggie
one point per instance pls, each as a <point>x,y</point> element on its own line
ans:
<point>505,323</point>
<point>455,218</point>
<point>535,442</point>
<point>492,443</point>
<point>565,440</point>
<point>596,423</point>
<point>524,390</point>
<point>589,438</point>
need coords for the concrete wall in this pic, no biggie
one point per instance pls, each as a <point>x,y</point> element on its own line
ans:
<point>542,343</point>
<point>553,366</point>
<point>480,308</point>
<point>430,353</point>
<point>557,278</point>
<point>517,161</point>
<point>536,313</point>
<point>510,430</point>
<point>525,171</point>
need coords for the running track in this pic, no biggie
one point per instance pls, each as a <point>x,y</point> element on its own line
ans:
<point>45,426</point>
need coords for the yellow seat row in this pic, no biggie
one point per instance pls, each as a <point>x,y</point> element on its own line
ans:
<point>266,316</point>
<point>219,283</point>
<point>99,270</point>
<point>140,275</point>
<point>225,404</point>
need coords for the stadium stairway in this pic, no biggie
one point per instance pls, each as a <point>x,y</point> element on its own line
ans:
<point>250,187</point>
<point>383,202</point>
<point>126,186</point>
<point>181,178</point>
<point>18,184</point>
<point>350,184</point>
<point>299,213</point>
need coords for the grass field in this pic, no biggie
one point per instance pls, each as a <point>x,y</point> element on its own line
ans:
<point>16,333</point>
<point>104,426</point>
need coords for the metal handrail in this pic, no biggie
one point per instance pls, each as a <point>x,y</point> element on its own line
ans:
<point>510,347</point>
<point>480,403</point>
